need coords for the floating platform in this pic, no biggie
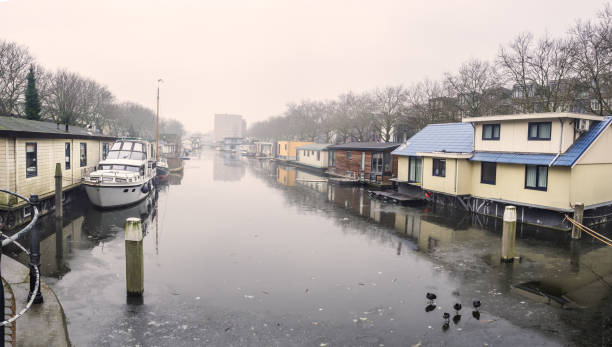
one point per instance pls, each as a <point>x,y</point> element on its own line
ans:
<point>342,181</point>
<point>396,197</point>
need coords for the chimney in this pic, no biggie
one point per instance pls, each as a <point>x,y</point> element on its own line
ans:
<point>66,127</point>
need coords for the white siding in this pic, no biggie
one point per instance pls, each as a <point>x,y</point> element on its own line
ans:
<point>50,152</point>
<point>309,157</point>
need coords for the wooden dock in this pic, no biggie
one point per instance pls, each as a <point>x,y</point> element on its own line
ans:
<point>343,181</point>
<point>395,197</point>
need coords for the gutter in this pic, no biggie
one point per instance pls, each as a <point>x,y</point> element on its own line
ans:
<point>560,145</point>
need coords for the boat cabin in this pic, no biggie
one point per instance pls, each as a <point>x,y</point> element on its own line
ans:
<point>369,162</point>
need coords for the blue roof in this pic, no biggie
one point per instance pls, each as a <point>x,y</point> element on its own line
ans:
<point>449,137</point>
<point>584,142</point>
<point>513,158</point>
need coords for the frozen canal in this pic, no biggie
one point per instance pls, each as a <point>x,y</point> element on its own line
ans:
<point>243,252</point>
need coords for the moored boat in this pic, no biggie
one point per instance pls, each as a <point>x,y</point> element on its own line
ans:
<point>125,177</point>
<point>162,169</point>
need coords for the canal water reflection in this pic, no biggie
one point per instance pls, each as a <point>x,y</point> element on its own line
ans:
<point>247,252</point>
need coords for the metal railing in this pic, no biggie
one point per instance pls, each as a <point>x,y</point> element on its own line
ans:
<point>34,296</point>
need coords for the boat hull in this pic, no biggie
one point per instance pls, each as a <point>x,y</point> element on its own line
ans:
<point>106,196</point>
<point>162,172</point>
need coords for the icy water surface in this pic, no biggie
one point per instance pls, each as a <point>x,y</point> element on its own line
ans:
<point>246,252</point>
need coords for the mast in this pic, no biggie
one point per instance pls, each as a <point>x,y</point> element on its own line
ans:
<point>157,124</point>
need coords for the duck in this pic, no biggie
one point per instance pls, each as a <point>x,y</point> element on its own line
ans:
<point>431,297</point>
<point>457,307</point>
<point>446,316</point>
<point>476,304</point>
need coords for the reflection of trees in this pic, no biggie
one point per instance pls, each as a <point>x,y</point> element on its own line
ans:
<point>465,245</point>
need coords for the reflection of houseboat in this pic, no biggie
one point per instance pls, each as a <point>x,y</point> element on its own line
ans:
<point>123,178</point>
<point>286,176</point>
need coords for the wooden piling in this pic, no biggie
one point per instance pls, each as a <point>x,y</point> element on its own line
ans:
<point>509,234</point>
<point>59,211</point>
<point>578,214</point>
<point>134,262</point>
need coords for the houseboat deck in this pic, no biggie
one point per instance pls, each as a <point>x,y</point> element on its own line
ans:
<point>396,197</point>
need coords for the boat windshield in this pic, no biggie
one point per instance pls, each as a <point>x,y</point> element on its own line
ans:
<point>119,167</point>
<point>127,150</point>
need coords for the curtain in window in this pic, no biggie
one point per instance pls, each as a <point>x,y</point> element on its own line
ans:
<point>545,130</point>
<point>531,176</point>
<point>542,177</point>
<point>533,130</point>
<point>412,167</point>
<point>496,131</point>
<point>488,131</point>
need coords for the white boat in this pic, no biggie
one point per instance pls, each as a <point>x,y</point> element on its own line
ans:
<point>125,177</point>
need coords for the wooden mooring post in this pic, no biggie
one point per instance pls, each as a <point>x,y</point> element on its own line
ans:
<point>134,262</point>
<point>59,210</point>
<point>509,234</point>
<point>578,214</point>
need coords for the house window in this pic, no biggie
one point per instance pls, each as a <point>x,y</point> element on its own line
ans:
<point>285,146</point>
<point>536,177</point>
<point>67,155</point>
<point>539,131</point>
<point>415,168</point>
<point>31,160</point>
<point>490,132</point>
<point>349,155</point>
<point>318,155</point>
<point>377,163</point>
<point>332,158</point>
<point>83,154</point>
<point>104,150</point>
<point>439,167</point>
<point>488,172</point>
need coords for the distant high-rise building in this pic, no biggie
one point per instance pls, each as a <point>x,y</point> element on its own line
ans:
<point>229,125</point>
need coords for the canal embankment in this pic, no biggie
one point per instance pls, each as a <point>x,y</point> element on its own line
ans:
<point>43,324</point>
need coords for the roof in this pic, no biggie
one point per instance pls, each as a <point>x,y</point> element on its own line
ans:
<point>448,137</point>
<point>368,146</point>
<point>315,147</point>
<point>565,159</point>
<point>514,158</point>
<point>530,116</point>
<point>21,127</point>
<point>583,143</point>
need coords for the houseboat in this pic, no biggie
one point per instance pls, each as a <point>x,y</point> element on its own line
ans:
<point>264,150</point>
<point>29,152</point>
<point>367,162</point>
<point>313,156</point>
<point>287,150</point>
<point>125,177</point>
<point>232,144</point>
<point>543,163</point>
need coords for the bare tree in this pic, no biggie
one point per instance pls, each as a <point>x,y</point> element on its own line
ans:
<point>594,59</point>
<point>390,106</point>
<point>471,86</point>
<point>514,64</point>
<point>550,65</point>
<point>15,61</point>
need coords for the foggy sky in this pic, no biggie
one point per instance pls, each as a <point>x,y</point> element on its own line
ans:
<point>253,57</point>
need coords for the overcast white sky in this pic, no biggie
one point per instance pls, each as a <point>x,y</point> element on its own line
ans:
<point>253,57</point>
